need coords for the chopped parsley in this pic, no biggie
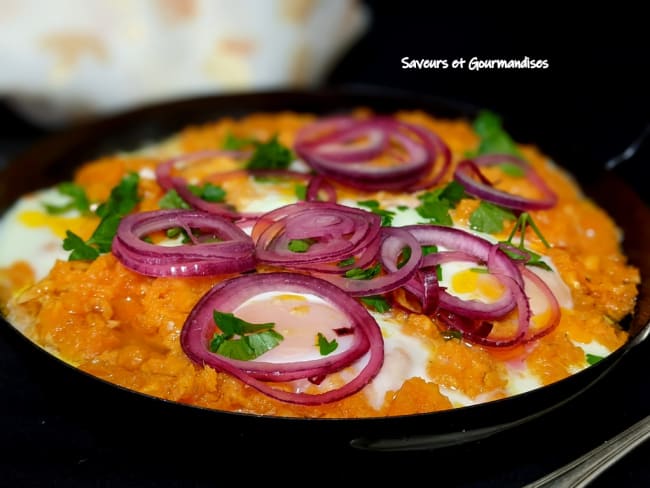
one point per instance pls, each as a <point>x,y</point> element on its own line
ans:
<point>209,192</point>
<point>78,200</point>
<point>346,262</point>
<point>435,205</point>
<point>122,200</point>
<point>489,217</point>
<point>593,359</point>
<point>374,207</point>
<point>512,170</point>
<point>240,339</point>
<point>363,274</point>
<point>429,249</point>
<point>301,191</point>
<point>172,199</point>
<point>494,139</point>
<point>376,302</point>
<point>450,334</point>
<point>234,143</point>
<point>270,155</point>
<point>324,346</point>
<point>299,245</point>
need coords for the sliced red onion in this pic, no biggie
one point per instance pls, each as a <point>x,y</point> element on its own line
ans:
<point>394,240</point>
<point>467,247</point>
<point>321,145</point>
<point>228,295</point>
<point>484,190</point>
<point>233,253</point>
<point>336,233</point>
<point>318,184</point>
<point>554,307</point>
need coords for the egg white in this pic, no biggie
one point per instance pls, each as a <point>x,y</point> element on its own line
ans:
<point>406,356</point>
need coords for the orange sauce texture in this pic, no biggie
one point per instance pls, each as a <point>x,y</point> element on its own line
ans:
<point>124,327</point>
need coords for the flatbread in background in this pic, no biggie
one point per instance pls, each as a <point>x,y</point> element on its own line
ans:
<point>73,59</point>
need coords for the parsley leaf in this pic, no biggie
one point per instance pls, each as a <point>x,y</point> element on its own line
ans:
<point>301,191</point>
<point>489,218</point>
<point>80,250</point>
<point>346,262</point>
<point>172,199</point>
<point>450,334</point>
<point>376,302</point>
<point>494,139</point>
<point>593,359</point>
<point>234,143</point>
<point>270,155</point>
<point>512,170</point>
<point>436,204</point>
<point>78,200</point>
<point>429,249</point>
<point>209,192</point>
<point>374,207</point>
<point>122,200</point>
<point>324,346</point>
<point>253,339</point>
<point>363,274</point>
<point>299,245</point>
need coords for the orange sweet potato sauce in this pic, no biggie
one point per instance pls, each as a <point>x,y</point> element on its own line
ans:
<point>124,327</point>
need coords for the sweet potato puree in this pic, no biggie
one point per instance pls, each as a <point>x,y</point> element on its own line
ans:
<point>124,327</point>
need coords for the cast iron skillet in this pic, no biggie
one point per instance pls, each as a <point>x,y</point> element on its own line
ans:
<point>55,158</point>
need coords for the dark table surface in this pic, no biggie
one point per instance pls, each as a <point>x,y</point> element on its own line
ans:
<point>593,94</point>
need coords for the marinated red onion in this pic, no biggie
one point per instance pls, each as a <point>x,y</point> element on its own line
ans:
<point>232,253</point>
<point>482,187</point>
<point>326,147</point>
<point>228,295</point>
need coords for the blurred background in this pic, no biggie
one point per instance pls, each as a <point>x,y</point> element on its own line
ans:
<point>66,61</point>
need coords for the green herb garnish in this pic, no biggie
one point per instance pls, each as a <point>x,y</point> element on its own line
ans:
<point>301,191</point>
<point>346,262</point>
<point>299,245</point>
<point>512,170</point>
<point>489,217</point>
<point>376,302</point>
<point>122,200</point>
<point>450,334</point>
<point>374,207</point>
<point>270,155</point>
<point>324,346</point>
<point>436,204</point>
<point>209,192</point>
<point>234,143</point>
<point>531,258</point>
<point>593,359</point>
<point>494,139</point>
<point>78,200</point>
<point>429,249</point>
<point>172,199</point>
<point>240,339</point>
<point>363,274</point>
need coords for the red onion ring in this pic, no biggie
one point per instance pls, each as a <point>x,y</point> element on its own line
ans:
<point>484,190</point>
<point>394,240</point>
<point>472,248</point>
<point>351,165</point>
<point>226,296</point>
<point>338,233</point>
<point>554,307</point>
<point>233,254</point>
